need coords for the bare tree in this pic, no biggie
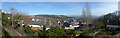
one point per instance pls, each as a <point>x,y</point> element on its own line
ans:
<point>20,17</point>
<point>86,16</point>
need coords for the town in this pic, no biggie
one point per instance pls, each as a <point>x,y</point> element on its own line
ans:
<point>18,23</point>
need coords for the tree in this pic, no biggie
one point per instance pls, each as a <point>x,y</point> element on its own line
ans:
<point>97,23</point>
<point>5,19</point>
<point>19,18</point>
<point>55,31</point>
<point>111,17</point>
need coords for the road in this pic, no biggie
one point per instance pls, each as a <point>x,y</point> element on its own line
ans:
<point>96,33</point>
<point>118,34</point>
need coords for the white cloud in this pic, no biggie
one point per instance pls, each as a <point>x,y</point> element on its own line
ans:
<point>60,0</point>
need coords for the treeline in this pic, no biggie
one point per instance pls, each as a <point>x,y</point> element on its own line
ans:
<point>113,18</point>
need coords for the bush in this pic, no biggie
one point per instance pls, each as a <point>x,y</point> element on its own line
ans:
<point>28,30</point>
<point>55,31</point>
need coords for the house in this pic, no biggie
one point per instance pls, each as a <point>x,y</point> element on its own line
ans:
<point>66,24</point>
<point>75,25</point>
<point>53,25</point>
<point>113,25</point>
<point>36,25</point>
<point>8,16</point>
<point>70,27</point>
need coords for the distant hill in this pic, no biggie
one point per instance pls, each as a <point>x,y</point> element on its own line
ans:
<point>53,16</point>
<point>62,16</point>
<point>93,16</point>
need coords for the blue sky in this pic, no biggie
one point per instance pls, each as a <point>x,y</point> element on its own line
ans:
<point>60,0</point>
<point>61,8</point>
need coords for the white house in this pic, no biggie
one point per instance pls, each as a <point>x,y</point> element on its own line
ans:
<point>76,26</point>
<point>36,27</point>
<point>70,27</point>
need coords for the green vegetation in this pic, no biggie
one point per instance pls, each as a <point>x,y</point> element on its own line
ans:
<point>5,19</point>
<point>71,32</point>
<point>55,32</point>
<point>111,17</point>
<point>28,30</point>
<point>5,34</point>
<point>31,32</point>
<point>97,23</point>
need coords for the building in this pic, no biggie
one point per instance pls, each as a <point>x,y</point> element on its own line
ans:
<point>37,25</point>
<point>113,25</point>
<point>70,27</point>
<point>8,16</point>
<point>66,24</point>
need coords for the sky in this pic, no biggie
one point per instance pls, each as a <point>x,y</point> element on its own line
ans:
<point>61,8</point>
<point>60,0</point>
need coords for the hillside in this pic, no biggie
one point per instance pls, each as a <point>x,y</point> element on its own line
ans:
<point>52,16</point>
